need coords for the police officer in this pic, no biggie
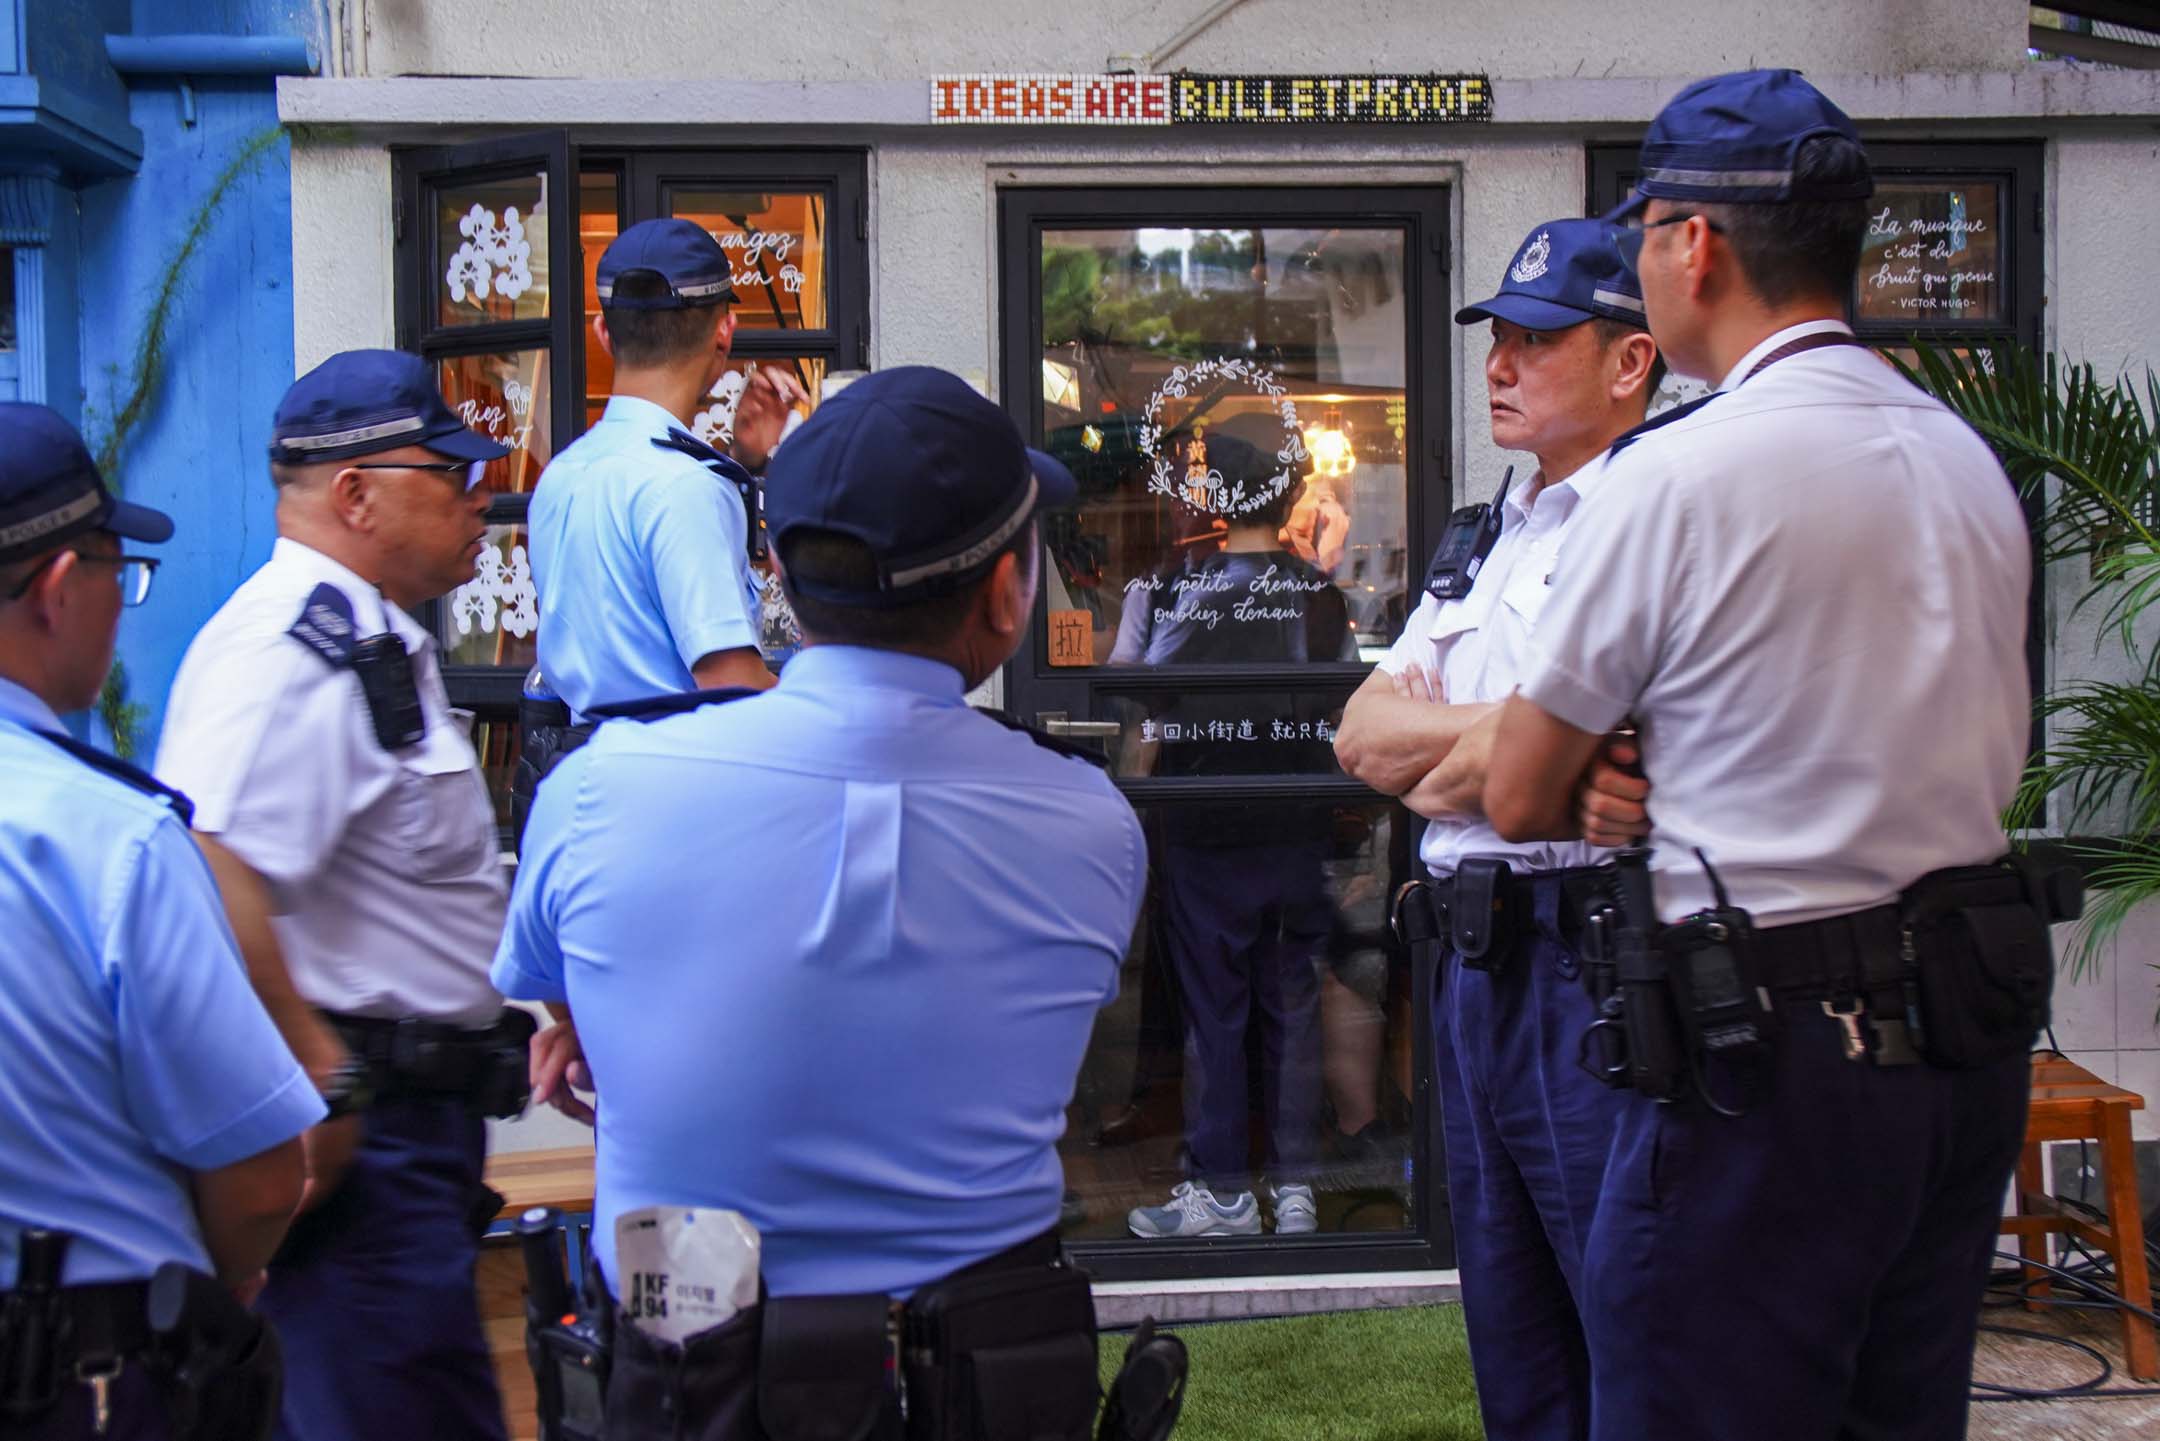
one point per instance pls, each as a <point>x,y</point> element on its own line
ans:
<point>1809,592</point>
<point>859,1019</point>
<point>640,555</point>
<point>1571,368</point>
<point>151,1112</point>
<point>310,720</point>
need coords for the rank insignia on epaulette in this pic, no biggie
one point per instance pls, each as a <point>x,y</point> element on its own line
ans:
<point>326,626</point>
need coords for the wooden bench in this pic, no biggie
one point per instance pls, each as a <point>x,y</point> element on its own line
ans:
<point>562,1178</point>
<point>2070,1103</point>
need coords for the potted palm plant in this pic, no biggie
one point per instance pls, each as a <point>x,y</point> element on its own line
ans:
<point>2085,453</point>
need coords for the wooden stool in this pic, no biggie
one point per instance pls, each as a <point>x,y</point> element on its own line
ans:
<point>2070,1103</point>
<point>562,1178</point>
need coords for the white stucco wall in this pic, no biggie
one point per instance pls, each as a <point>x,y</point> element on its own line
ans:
<point>883,39</point>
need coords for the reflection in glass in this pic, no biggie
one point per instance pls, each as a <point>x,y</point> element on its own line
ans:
<point>1157,340</point>
<point>504,396</point>
<point>493,618</point>
<point>1262,1034</point>
<point>497,742</point>
<point>775,244</point>
<point>599,204</point>
<point>1933,253</point>
<point>491,241</point>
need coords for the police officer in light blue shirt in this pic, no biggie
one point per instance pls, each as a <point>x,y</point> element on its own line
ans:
<point>640,533</point>
<point>148,1107</point>
<point>833,952</point>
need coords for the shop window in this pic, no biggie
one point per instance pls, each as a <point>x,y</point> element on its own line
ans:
<point>1246,384</point>
<point>484,232</point>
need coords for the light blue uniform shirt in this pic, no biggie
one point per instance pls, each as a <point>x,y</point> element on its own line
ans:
<point>639,556</point>
<point>834,953</point>
<point>135,1050</point>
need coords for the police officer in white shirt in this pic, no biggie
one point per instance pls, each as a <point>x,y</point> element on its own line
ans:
<point>1808,592</point>
<point>1571,368</point>
<point>309,719</point>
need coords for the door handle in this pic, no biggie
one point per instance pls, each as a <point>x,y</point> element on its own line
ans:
<point>1054,723</point>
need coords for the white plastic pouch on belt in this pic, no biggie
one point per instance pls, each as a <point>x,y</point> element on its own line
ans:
<point>684,1269</point>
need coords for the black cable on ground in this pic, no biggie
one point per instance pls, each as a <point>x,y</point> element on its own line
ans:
<point>2103,1300</point>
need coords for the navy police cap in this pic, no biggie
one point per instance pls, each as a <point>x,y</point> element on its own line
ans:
<point>1566,272</point>
<point>915,464</point>
<point>361,402</point>
<point>51,492</point>
<point>683,256</point>
<point>1733,139</point>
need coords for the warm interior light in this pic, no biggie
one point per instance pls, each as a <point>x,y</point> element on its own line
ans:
<point>1061,384</point>
<point>1329,444</point>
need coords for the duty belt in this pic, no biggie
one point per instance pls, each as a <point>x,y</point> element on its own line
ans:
<point>103,1321</point>
<point>409,1056</point>
<point>1484,908</point>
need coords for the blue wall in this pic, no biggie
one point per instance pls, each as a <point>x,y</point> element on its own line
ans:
<point>199,454</point>
<point>199,449</point>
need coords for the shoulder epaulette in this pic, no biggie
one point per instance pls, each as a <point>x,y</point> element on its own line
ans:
<point>1678,412</point>
<point>132,776</point>
<point>326,626</point>
<point>653,707</point>
<point>1044,739</point>
<point>724,466</point>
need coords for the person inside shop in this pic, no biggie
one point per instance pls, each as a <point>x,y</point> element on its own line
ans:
<point>641,534</point>
<point>856,1018</point>
<point>1808,591</point>
<point>1246,912</point>
<point>152,1112</point>
<point>1571,369</point>
<point>342,804</point>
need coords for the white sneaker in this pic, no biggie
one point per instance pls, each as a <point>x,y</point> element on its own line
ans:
<point>1193,1211</point>
<point>1295,1213</point>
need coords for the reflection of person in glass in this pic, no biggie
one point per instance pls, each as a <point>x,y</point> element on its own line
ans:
<point>1247,917</point>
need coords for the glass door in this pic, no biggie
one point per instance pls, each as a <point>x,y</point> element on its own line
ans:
<point>1242,381</point>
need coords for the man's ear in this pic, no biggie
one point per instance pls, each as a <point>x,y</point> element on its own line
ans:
<point>1632,372</point>
<point>352,497</point>
<point>724,332</point>
<point>1701,258</point>
<point>1006,601</point>
<point>600,333</point>
<point>47,597</point>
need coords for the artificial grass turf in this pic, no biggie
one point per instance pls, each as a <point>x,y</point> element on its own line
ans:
<point>1373,1375</point>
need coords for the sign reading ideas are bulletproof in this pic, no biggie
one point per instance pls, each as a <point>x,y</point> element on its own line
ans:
<point>995,99</point>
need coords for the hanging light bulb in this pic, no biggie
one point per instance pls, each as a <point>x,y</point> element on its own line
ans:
<point>1330,446</point>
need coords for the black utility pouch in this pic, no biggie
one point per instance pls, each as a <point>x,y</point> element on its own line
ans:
<point>1981,956</point>
<point>824,1368</point>
<point>1482,923</point>
<point>1003,1354</point>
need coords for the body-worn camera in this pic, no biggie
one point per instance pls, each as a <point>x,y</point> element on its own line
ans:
<point>393,695</point>
<point>1469,538</point>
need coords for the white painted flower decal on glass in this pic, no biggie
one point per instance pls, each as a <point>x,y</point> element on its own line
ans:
<point>501,590</point>
<point>715,424</point>
<point>494,257</point>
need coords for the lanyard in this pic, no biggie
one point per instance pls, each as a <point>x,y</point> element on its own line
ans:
<point>1820,340</point>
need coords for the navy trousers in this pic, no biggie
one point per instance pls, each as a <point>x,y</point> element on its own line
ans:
<point>1526,1133</point>
<point>1246,927</point>
<point>373,1295</point>
<point>1811,1270</point>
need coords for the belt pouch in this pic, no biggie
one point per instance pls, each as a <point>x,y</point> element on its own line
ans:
<point>1005,1355</point>
<point>703,1390</point>
<point>822,1371</point>
<point>1481,919</point>
<point>1985,967</point>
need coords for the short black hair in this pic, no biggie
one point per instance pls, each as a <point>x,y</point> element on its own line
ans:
<point>1802,249</point>
<point>832,558</point>
<point>1611,332</point>
<point>644,338</point>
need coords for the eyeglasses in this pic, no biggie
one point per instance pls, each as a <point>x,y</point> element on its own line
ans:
<point>1636,228</point>
<point>469,470</point>
<point>135,573</point>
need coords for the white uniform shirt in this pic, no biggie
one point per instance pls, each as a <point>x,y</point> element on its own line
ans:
<point>383,865</point>
<point>1811,595</point>
<point>1477,649</point>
